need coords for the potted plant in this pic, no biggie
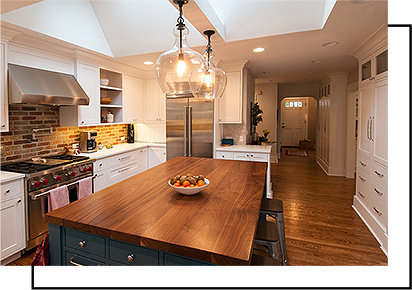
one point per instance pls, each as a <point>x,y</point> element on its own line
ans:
<point>256,118</point>
<point>265,136</point>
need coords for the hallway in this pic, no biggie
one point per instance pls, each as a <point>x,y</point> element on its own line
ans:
<point>321,226</point>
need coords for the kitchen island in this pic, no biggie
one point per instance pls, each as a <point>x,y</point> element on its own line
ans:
<point>143,221</point>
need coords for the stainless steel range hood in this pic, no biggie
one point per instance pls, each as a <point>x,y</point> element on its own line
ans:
<point>35,86</point>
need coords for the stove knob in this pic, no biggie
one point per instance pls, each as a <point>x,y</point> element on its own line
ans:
<point>72,174</point>
<point>57,177</point>
<point>36,184</point>
<point>84,170</point>
<point>44,181</point>
<point>90,168</point>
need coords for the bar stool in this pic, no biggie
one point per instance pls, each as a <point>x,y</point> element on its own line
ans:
<point>258,260</point>
<point>274,208</point>
<point>267,235</point>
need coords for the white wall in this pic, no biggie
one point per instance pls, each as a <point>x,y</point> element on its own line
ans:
<point>267,96</point>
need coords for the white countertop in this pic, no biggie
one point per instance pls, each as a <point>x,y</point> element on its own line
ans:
<point>6,176</point>
<point>246,148</point>
<point>121,148</point>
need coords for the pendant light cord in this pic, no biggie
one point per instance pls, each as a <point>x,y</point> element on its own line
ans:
<point>180,24</point>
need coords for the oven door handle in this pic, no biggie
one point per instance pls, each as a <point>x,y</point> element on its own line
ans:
<point>37,196</point>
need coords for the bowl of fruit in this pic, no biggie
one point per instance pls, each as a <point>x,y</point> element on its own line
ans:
<point>188,184</point>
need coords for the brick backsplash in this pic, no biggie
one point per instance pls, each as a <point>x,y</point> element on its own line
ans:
<point>23,118</point>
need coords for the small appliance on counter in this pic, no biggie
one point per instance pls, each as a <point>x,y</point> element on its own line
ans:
<point>130,133</point>
<point>227,142</point>
<point>88,142</point>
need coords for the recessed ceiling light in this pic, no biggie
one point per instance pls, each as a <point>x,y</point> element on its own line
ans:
<point>332,43</point>
<point>148,62</point>
<point>259,49</point>
<point>316,61</point>
<point>359,1</point>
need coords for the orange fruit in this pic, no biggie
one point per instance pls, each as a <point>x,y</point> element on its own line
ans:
<point>200,183</point>
<point>176,184</point>
<point>186,183</point>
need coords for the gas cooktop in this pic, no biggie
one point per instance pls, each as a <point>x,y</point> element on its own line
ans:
<point>42,163</point>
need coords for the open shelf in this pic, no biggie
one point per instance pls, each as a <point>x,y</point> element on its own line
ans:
<point>114,92</point>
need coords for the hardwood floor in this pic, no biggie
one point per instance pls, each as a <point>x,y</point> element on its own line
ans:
<point>320,225</point>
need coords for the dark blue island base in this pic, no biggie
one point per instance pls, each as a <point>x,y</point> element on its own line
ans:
<point>69,247</point>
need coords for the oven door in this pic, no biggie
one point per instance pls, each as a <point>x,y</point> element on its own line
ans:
<point>37,208</point>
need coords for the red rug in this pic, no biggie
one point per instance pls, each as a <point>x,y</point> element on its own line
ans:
<point>302,153</point>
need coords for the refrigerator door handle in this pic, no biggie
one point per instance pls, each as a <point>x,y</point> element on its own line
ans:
<point>190,131</point>
<point>185,132</point>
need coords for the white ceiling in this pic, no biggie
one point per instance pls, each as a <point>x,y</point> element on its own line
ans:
<point>134,31</point>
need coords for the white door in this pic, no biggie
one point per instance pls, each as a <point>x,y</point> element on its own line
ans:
<point>294,119</point>
<point>365,119</point>
<point>380,122</point>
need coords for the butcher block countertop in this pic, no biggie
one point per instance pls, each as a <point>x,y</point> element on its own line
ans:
<point>216,225</point>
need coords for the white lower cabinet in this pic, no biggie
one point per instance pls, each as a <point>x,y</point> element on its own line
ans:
<point>157,155</point>
<point>249,156</point>
<point>12,218</point>
<point>116,168</point>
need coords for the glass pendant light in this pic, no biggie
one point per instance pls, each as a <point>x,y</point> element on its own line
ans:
<point>174,66</point>
<point>209,81</point>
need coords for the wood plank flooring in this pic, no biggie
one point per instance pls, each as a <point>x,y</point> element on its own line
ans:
<point>321,227</point>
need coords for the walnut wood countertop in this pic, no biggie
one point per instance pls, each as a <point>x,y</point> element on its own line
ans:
<point>217,225</point>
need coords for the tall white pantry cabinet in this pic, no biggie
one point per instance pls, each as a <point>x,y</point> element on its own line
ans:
<point>371,196</point>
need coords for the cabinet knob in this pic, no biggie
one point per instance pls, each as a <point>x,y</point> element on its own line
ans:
<point>3,126</point>
<point>19,201</point>
<point>8,191</point>
<point>82,244</point>
<point>130,257</point>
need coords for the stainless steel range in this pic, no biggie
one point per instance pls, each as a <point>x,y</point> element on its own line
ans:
<point>41,175</point>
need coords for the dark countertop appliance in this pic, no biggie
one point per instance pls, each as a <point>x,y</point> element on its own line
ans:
<point>130,133</point>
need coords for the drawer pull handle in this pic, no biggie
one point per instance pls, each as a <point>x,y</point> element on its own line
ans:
<point>361,194</point>
<point>123,158</point>
<point>74,263</point>
<point>362,163</point>
<point>377,211</point>
<point>8,191</point>
<point>378,192</point>
<point>82,244</point>
<point>130,257</point>
<point>361,178</point>
<point>379,174</point>
<point>122,170</point>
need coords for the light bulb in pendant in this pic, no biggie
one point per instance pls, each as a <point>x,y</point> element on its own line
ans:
<point>181,66</point>
<point>207,80</point>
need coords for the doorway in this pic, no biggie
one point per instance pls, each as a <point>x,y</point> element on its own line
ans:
<point>294,121</point>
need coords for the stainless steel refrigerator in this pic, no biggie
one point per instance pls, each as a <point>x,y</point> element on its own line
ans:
<point>189,127</point>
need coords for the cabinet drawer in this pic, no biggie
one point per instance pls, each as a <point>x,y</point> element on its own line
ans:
<point>72,259</point>
<point>123,158</point>
<point>379,191</point>
<point>364,164</point>
<point>85,242</point>
<point>379,173</point>
<point>133,255</point>
<point>173,260</point>
<point>260,157</point>
<point>122,172</point>
<point>362,192</point>
<point>100,165</point>
<point>224,155</point>
<point>10,189</point>
<point>241,156</point>
<point>379,212</point>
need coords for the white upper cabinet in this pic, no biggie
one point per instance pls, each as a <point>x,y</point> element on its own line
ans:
<point>133,99</point>
<point>4,113</point>
<point>155,102</point>
<point>230,104</point>
<point>88,77</point>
